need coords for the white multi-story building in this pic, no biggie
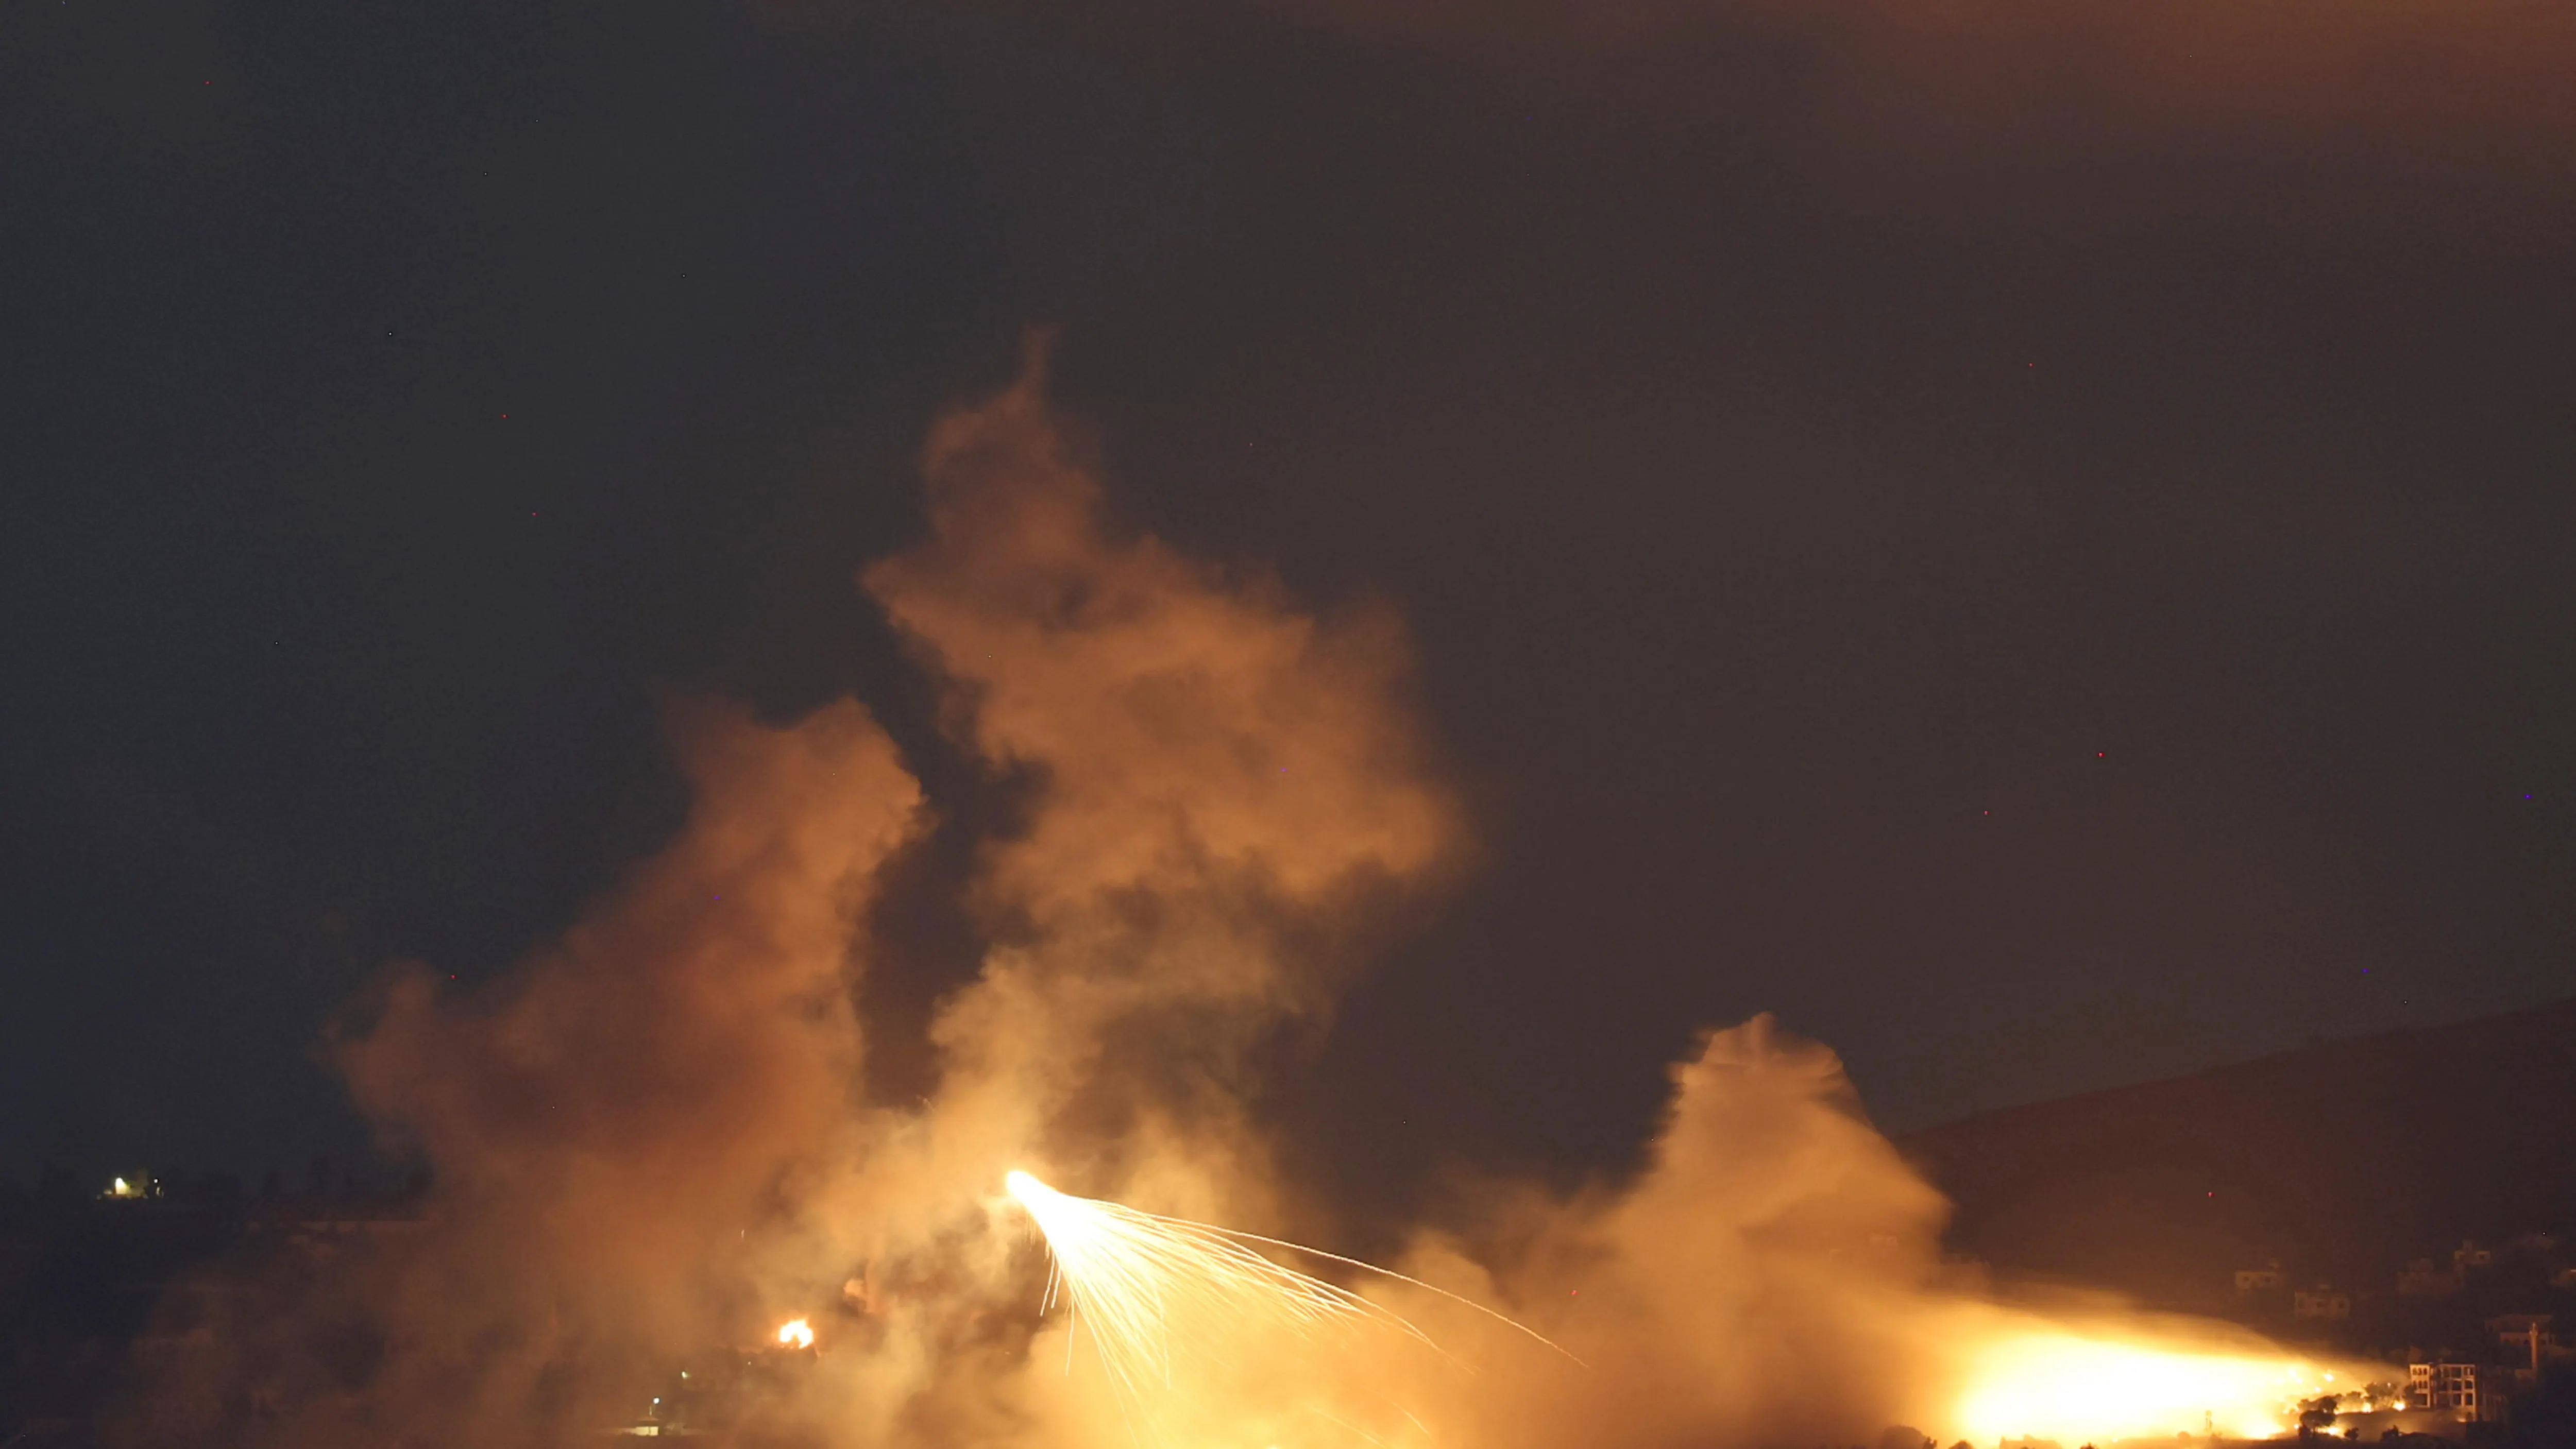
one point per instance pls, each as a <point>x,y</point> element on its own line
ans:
<point>2459,1387</point>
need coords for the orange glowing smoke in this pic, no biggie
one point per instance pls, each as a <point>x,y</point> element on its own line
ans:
<point>661,1122</point>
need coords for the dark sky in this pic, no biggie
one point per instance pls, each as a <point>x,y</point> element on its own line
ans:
<point>2033,547</point>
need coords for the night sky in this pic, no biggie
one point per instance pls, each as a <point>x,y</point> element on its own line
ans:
<point>2034,545</point>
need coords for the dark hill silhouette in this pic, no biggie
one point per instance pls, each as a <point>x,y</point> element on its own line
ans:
<point>2343,1160</point>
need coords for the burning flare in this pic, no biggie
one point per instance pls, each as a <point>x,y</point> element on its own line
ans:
<point>1158,1293</point>
<point>1147,1285</point>
<point>796,1333</point>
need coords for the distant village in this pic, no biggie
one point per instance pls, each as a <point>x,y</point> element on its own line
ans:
<point>100,1288</point>
<point>2476,1328</point>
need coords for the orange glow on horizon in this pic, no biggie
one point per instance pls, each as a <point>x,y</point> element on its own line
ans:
<point>2067,1385</point>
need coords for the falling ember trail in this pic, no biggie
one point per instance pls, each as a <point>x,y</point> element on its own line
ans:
<point>1155,1291</point>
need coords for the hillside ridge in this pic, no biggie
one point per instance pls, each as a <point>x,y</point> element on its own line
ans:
<point>2343,1160</point>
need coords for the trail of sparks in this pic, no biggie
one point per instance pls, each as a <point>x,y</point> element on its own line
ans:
<point>1152,1289</point>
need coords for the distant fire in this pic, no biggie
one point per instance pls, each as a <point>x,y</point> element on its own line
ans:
<point>796,1333</point>
<point>2070,1386</point>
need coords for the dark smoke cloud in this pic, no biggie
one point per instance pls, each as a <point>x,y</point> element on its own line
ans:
<point>2477,86</point>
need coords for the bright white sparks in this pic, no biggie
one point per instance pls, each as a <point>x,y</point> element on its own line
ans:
<point>1155,1291</point>
<point>1151,1288</point>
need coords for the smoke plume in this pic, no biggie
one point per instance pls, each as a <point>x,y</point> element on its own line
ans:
<point>1228,787</point>
<point>652,1145</point>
